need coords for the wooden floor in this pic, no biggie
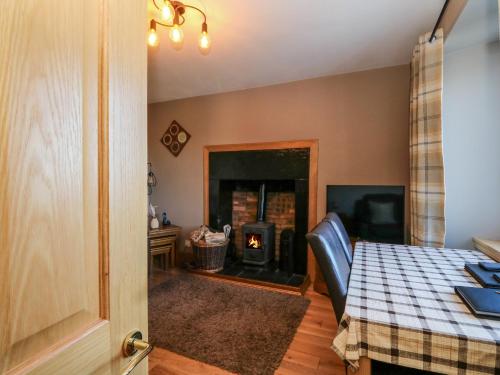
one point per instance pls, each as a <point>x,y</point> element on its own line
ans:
<point>309,352</point>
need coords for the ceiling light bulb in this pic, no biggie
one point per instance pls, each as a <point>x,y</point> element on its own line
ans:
<point>152,35</point>
<point>152,38</point>
<point>176,34</point>
<point>167,11</point>
<point>204,42</point>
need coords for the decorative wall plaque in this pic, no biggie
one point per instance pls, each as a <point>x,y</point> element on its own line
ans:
<point>175,138</point>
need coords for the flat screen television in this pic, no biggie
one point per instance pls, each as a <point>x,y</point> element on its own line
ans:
<point>370,212</point>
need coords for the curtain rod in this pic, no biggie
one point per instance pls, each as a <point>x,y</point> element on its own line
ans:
<point>439,20</point>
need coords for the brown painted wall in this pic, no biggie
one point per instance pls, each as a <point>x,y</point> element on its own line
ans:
<point>360,119</point>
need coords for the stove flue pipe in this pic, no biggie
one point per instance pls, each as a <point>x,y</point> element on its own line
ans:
<point>261,204</point>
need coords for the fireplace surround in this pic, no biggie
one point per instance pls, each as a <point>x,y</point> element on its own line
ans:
<point>233,174</point>
<point>280,170</point>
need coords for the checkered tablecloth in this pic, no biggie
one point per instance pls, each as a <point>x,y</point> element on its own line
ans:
<point>402,308</point>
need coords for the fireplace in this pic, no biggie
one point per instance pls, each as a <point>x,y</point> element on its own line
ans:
<point>232,197</point>
<point>258,237</point>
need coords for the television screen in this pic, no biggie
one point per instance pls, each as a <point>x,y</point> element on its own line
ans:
<point>369,212</point>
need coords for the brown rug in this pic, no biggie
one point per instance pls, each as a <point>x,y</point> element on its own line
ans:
<point>241,329</point>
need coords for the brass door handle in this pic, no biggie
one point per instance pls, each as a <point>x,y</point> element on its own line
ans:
<point>132,344</point>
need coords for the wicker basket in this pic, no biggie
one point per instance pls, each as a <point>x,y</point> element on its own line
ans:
<point>209,258</point>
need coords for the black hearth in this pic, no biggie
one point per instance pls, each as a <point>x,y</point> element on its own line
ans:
<point>258,237</point>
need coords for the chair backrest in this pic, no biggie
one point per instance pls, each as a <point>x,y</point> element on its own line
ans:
<point>332,263</point>
<point>339,228</point>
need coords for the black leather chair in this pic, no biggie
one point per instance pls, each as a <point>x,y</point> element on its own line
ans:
<point>339,228</point>
<point>332,263</point>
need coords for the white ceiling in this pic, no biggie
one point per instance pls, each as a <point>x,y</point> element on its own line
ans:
<point>264,42</point>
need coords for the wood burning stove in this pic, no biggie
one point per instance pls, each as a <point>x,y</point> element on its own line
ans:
<point>258,237</point>
<point>258,243</point>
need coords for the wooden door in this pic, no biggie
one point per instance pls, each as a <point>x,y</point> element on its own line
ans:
<point>73,278</point>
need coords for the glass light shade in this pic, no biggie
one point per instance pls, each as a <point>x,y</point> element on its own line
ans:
<point>152,38</point>
<point>204,42</point>
<point>167,11</point>
<point>176,35</point>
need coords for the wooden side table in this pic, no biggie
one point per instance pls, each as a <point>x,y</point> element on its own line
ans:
<point>163,241</point>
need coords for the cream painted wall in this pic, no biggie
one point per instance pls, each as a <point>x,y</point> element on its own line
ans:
<point>470,142</point>
<point>360,119</point>
<point>471,93</point>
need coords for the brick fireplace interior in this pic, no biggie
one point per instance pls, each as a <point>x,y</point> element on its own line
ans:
<point>235,178</point>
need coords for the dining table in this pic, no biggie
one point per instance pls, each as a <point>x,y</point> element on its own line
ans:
<point>402,309</point>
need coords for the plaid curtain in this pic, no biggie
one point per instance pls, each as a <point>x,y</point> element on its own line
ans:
<point>427,225</point>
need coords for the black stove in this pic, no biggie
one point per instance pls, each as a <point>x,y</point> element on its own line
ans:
<point>258,237</point>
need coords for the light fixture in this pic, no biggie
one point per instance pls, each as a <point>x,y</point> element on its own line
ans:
<point>152,35</point>
<point>176,34</point>
<point>167,11</point>
<point>204,42</point>
<point>172,15</point>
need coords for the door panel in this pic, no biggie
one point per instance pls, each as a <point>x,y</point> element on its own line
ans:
<point>61,76</point>
<point>49,176</point>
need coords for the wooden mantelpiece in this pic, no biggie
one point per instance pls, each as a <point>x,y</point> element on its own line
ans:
<point>313,147</point>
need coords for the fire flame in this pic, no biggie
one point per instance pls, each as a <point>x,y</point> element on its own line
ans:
<point>254,242</point>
